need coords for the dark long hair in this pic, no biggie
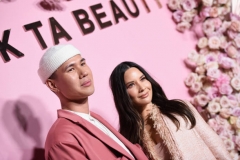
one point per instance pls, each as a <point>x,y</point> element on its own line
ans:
<point>131,122</point>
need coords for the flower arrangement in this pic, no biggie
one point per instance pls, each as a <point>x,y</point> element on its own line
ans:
<point>215,63</point>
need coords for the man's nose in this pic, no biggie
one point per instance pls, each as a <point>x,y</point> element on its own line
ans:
<point>82,72</point>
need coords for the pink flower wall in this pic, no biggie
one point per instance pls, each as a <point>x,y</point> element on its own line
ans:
<point>28,108</point>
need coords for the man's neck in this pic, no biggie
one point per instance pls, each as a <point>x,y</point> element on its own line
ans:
<point>76,106</point>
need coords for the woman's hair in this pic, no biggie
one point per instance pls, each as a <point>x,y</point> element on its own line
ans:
<point>131,122</point>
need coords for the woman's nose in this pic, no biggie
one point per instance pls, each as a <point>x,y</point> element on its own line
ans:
<point>141,88</point>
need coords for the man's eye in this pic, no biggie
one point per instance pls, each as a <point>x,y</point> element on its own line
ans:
<point>71,69</point>
<point>83,64</point>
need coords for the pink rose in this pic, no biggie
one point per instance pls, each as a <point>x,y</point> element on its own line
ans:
<point>225,89</point>
<point>223,122</point>
<point>196,87</point>
<point>213,124</point>
<point>204,51</point>
<point>232,34</point>
<point>222,1</point>
<point>231,51</point>
<point>233,120</point>
<point>234,17</point>
<point>217,22</point>
<point>202,42</point>
<point>232,97</point>
<point>226,62</point>
<point>177,15</point>
<point>212,92</point>
<point>213,73</point>
<point>200,70</point>
<point>189,4</point>
<point>181,27</point>
<point>236,111</point>
<point>224,102</point>
<point>197,28</point>
<point>238,97</point>
<point>174,4</point>
<point>223,41</point>
<point>208,27</point>
<point>201,100</point>
<point>235,82</point>
<point>192,59</point>
<point>224,132</point>
<point>234,155</point>
<point>214,12</point>
<point>187,17</point>
<point>226,9</point>
<point>214,42</point>
<point>237,142</point>
<point>225,112</point>
<point>191,79</point>
<point>224,26</point>
<point>207,3</point>
<point>204,12</point>
<point>233,103</point>
<point>201,60</point>
<point>229,144</point>
<point>237,41</point>
<point>222,79</point>
<point>211,58</point>
<point>235,26</point>
<point>236,70</point>
<point>213,107</point>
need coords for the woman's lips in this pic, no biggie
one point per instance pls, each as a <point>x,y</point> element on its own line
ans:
<point>144,95</point>
<point>86,83</point>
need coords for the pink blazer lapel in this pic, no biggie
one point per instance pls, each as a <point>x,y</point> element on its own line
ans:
<point>95,131</point>
<point>128,144</point>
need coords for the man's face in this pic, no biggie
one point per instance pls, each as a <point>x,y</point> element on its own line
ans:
<point>74,79</point>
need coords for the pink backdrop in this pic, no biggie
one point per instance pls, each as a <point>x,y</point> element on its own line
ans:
<point>28,108</point>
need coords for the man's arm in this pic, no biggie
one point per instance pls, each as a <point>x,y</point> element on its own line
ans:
<point>66,150</point>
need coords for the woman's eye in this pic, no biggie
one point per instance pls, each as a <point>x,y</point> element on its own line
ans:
<point>143,78</point>
<point>130,85</point>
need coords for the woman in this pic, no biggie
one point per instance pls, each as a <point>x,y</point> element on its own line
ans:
<point>166,129</point>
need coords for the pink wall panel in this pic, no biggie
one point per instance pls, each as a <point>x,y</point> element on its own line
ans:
<point>28,108</point>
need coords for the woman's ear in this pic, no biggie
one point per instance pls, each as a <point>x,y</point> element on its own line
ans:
<point>51,84</point>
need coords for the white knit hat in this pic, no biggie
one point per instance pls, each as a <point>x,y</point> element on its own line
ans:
<point>53,58</point>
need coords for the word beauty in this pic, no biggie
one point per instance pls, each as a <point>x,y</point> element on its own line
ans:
<point>81,16</point>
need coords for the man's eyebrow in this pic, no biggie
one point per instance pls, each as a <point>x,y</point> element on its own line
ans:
<point>70,65</point>
<point>83,59</point>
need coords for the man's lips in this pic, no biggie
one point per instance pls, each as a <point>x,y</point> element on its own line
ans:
<point>86,83</point>
<point>144,95</point>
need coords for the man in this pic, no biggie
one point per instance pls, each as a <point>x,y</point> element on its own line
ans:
<point>78,133</point>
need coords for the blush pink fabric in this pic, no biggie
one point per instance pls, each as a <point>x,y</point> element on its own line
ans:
<point>199,143</point>
<point>73,138</point>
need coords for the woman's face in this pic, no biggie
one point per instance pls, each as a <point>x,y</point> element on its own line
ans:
<point>138,87</point>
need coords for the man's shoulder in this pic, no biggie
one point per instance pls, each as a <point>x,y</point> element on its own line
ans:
<point>62,130</point>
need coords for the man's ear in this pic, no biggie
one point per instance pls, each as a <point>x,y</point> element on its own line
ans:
<point>52,85</point>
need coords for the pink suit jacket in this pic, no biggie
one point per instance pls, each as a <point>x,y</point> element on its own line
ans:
<point>73,138</point>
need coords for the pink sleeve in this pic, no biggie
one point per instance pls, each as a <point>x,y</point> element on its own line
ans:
<point>211,139</point>
<point>66,151</point>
